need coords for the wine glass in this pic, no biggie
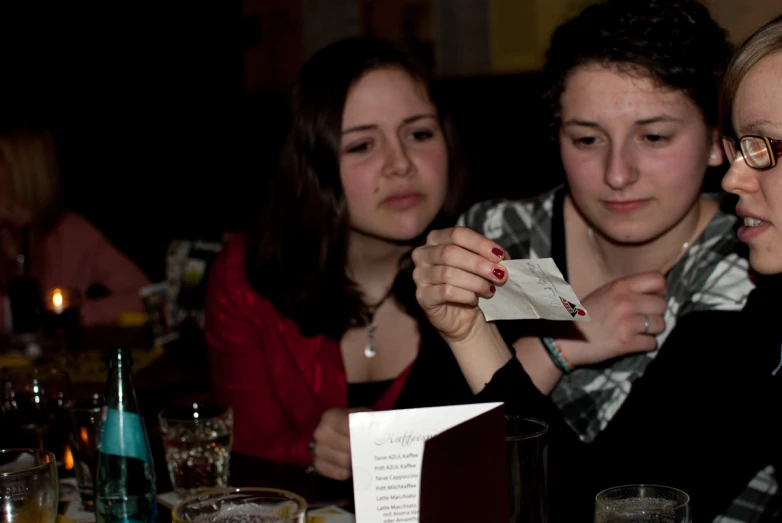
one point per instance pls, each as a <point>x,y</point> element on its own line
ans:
<point>34,400</point>
<point>641,504</point>
<point>28,486</point>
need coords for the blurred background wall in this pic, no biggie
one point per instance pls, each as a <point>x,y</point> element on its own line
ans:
<point>167,116</point>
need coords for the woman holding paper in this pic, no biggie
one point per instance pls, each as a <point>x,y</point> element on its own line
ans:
<point>313,312</point>
<point>633,89</point>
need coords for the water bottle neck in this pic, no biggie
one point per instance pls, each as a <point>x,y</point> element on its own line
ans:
<point>120,393</point>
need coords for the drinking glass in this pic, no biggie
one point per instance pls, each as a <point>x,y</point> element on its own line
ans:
<point>28,486</point>
<point>242,505</point>
<point>642,504</point>
<point>34,400</point>
<point>527,451</point>
<point>197,443</point>
<point>85,419</point>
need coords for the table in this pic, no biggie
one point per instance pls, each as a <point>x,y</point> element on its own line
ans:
<point>250,471</point>
<point>180,370</point>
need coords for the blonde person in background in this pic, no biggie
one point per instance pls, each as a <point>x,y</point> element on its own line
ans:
<point>65,250</point>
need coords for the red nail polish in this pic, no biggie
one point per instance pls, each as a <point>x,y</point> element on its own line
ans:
<point>497,252</point>
<point>492,289</point>
<point>499,273</point>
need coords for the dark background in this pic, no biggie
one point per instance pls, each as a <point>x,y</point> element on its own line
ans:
<point>158,139</point>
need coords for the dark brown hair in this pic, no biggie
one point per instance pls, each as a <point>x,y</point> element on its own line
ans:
<point>297,247</point>
<point>765,41</point>
<point>674,42</point>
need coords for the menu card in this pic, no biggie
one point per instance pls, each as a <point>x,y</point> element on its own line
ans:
<point>438,464</point>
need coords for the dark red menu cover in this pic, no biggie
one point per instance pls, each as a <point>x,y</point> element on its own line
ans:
<point>464,475</point>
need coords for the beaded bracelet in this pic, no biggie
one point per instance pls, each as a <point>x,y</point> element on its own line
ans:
<point>555,351</point>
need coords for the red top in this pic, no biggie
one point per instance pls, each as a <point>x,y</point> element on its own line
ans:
<point>278,382</point>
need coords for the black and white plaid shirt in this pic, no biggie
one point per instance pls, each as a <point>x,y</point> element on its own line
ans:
<point>710,276</point>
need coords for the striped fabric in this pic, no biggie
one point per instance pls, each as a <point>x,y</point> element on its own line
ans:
<point>710,276</point>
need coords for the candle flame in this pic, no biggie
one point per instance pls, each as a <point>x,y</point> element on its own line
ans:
<point>67,458</point>
<point>57,298</point>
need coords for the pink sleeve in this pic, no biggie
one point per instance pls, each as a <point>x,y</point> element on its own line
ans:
<point>97,261</point>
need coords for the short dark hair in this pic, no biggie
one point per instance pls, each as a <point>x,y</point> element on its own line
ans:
<point>674,42</point>
<point>297,248</point>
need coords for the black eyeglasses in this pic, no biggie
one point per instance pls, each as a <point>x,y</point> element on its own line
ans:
<point>759,152</point>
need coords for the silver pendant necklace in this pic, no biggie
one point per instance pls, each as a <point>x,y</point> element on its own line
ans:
<point>370,350</point>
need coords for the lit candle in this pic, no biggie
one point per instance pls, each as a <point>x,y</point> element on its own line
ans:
<point>58,301</point>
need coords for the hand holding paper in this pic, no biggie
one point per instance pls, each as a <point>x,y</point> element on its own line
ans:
<point>459,270</point>
<point>534,289</point>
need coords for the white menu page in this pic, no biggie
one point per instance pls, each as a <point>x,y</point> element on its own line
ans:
<point>387,450</point>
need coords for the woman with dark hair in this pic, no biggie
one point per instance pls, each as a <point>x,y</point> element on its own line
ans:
<point>312,313</point>
<point>652,389</point>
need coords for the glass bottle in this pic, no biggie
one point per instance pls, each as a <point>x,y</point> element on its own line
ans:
<point>125,475</point>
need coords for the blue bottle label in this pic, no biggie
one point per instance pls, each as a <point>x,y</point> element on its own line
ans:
<point>122,434</point>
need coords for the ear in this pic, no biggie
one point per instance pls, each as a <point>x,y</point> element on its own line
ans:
<point>716,156</point>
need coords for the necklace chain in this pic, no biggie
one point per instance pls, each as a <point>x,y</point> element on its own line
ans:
<point>370,349</point>
<point>602,263</point>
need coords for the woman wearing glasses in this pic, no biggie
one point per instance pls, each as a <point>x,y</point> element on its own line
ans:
<point>752,120</point>
<point>660,386</point>
<point>752,124</point>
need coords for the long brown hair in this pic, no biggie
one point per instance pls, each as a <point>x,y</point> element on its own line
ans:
<point>297,248</point>
<point>765,41</point>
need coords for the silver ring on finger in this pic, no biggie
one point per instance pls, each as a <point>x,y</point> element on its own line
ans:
<point>646,324</point>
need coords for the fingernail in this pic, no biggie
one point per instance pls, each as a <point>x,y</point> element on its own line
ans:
<point>492,288</point>
<point>499,273</point>
<point>497,252</point>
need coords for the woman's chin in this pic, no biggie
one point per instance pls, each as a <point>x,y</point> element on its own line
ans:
<point>397,233</point>
<point>765,261</point>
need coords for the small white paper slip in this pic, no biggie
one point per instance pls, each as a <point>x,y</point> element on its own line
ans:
<point>387,450</point>
<point>534,289</point>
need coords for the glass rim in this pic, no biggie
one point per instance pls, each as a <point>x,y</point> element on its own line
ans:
<point>84,406</point>
<point>542,427</point>
<point>36,468</point>
<point>222,411</point>
<point>213,493</point>
<point>683,494</point>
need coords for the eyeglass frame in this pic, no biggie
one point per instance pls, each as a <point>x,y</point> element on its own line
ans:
<point>773,149</point>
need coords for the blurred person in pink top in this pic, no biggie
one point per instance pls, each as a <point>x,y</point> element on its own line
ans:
<point>65,250</point>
